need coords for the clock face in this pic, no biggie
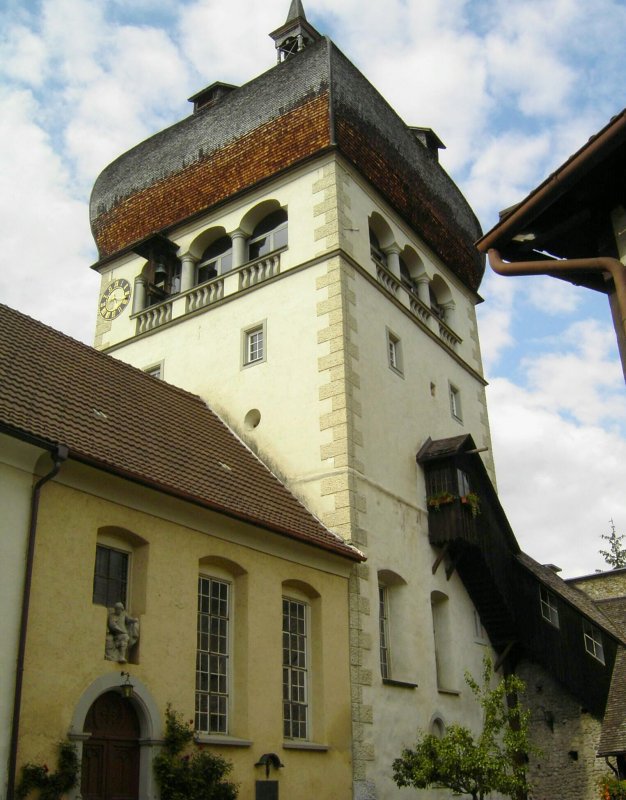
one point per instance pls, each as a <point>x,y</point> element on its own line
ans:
<point>115,298</point>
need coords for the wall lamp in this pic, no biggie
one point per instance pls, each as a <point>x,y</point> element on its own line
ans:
<point>126,687</point>
<point>268,760</point>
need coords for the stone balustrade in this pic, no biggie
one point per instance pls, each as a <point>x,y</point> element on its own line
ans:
<point>259,270</point>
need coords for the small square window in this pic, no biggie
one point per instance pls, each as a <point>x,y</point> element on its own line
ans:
<point>549,609</point>
<point>455,403</point>
<point>254,345</point>
<point>593,641</point>
<point>394,352</point>
<point>155,371</point>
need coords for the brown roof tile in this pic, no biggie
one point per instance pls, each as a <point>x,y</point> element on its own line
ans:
<point>613,735</point>
<point>56,390</point>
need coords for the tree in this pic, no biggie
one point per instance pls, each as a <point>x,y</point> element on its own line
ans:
<point>615,556</point>
<point>475,765</point>
<point>182,775</point>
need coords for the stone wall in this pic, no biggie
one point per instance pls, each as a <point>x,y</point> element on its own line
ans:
<point>566,768</point>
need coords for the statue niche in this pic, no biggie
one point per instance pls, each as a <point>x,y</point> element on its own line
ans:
<point>122,634</point>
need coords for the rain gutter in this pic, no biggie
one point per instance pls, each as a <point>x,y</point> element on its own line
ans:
<point>59,455</point>
<point>564,268</point>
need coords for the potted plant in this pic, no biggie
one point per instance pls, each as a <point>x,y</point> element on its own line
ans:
<point>472,500</point>
<point>440,499</point>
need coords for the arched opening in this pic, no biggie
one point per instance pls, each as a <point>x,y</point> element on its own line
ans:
<point>444,647</point>
<point>411,268</point>
<point>140,719</point>
<point>111,756</point>
<point>381,238</point>
<point>441,302</point>
<point>216,259</point>
<point>269,234</point>
<point>392,625</point>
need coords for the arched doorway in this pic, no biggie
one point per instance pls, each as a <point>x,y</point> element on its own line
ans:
<point>110,762</point>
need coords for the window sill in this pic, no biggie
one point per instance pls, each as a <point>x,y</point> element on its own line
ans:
<point>399,684</point>
<point>322,748</point>
<point>453,692</point>
<point>224,741</point>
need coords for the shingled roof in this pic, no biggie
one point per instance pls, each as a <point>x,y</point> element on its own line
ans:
<point>310,104</point>
<point>55,390</point>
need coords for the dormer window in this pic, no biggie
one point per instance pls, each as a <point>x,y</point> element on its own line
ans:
<point>216,259</point>
<point>269,235</point>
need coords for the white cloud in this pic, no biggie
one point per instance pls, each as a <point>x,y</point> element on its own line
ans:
<point>559,481</point>
<point>23,55</point>
<point>580,376</point>
<point>499,173</point>
<point>137,85</point>
<point>552,296</point>
<point>47,245</point>
<point>496,316</point>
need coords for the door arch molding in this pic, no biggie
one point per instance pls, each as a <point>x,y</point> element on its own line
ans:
<point>150,723</point>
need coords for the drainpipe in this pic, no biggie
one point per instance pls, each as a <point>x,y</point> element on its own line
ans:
<point>59,455</point>
<point>563,267</point>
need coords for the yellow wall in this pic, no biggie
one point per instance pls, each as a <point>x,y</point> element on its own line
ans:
<point>65,648</point>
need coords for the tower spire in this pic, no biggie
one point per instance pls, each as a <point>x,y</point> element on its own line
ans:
<point>295,34</point>
<point>296,10</point>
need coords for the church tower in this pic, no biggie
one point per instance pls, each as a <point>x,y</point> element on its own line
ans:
<point>294,253</point>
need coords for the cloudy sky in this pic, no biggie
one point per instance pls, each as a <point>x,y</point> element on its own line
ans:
<point>512,87</point>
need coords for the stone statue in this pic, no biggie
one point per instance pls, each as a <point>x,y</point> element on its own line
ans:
<point>122,634</point>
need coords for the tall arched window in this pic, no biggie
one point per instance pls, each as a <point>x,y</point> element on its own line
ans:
<point>444,647</point>
<point>269,235</point>
<point>216,259</point>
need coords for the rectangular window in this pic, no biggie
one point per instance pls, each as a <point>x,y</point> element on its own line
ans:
<point>110,578</point>
<point>394,352</point>
<point>549,609</point>
<point>455,403</point>
<point>212,656</point>
<point>253,345</point>
<point>480,635</point>
<point>593,641</point>
<point>383,622</point>
<point>464,482</point>
<point>295,669</point>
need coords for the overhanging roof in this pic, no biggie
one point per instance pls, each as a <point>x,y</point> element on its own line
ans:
<point>55,390</point>
<point>569,214</point>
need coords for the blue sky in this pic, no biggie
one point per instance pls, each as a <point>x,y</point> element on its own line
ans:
<point>511,87</point>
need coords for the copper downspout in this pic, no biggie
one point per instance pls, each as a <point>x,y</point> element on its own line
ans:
<point>60,455</point>
<point>562,267</point>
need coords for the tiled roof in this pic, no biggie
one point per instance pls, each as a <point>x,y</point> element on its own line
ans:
<point>613,735</point>
<point>615,608</point>
<point>575,597</point>
<point>110,415</point>
<point>440,448</point>
<point>300,108</point>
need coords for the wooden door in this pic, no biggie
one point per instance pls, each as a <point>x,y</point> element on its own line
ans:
<point>110,766</point>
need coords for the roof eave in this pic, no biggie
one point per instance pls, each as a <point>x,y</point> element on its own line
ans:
<point>556,184</point>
